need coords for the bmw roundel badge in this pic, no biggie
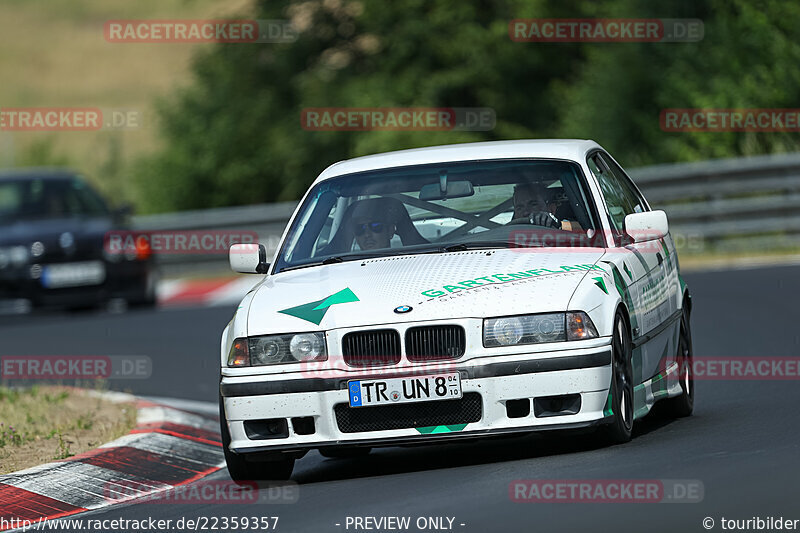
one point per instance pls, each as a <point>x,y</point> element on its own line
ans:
<point>403,309</point>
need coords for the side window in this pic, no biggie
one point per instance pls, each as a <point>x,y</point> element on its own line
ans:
<point>621,199</point>
<point>639,205</point>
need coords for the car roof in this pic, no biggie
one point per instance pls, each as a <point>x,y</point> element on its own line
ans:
<point>569,149</point>
<point>45,173</point>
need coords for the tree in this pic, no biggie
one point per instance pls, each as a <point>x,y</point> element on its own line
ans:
<point>234,136</point>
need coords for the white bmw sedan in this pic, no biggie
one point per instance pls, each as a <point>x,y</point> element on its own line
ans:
<point>455,292</point>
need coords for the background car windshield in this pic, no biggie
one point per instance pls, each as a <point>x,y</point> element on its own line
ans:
<point>43,198</point>
<point>428,207</point>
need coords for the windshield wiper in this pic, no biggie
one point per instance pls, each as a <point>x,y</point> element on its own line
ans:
<point>336,259</point>
<point>476,245</point>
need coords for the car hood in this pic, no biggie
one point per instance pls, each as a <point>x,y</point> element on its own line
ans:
<point>478,283</point>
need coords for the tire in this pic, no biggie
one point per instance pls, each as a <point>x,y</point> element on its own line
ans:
<point>683,405</point>
<point>240,469</point>
<point>620,429</point>
<point>344,452</point>
<point>147,296</point>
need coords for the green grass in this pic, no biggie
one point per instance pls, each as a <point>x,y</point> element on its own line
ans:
<point>41,424</point>
<point>55,54</point>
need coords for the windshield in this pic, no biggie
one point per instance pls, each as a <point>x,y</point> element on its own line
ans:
<point>441,207</point>
<point>48,198</point>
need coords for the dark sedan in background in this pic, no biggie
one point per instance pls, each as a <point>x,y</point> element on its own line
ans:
<point>52,230</point>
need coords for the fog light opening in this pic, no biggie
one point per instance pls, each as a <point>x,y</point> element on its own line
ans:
<point>566,404</point>
<point>271,428</point>
<point>303,425</point>
<point>518,408</point>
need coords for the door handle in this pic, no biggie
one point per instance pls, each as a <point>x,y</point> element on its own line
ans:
<point>660,259</point>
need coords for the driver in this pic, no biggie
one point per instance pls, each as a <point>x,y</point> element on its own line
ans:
<point>532,206</point>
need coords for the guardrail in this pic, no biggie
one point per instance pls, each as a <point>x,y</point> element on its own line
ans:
<point>740,204</point>
<point>267,220</point>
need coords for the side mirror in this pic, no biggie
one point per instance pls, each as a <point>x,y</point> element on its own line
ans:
<point>647,226</point>
<point>248,258</point>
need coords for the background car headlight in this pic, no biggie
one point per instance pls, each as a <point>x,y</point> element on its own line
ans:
<point>278,349</point>
<point>19,255</point>
<point>536,329</point>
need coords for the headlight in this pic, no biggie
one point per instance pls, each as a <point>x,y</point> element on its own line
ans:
<point>536,329</point>
<point>14,256</point>
<point>505,331</point>
<point>307,347</point>
<point>19,255</point>
<point>278,349</point>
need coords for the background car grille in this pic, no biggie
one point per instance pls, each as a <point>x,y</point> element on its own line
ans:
<point>371,348</point>
<point>410,415</point>
<point>432,343</point>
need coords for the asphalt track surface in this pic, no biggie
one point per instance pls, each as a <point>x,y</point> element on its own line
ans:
<point>743,442</point>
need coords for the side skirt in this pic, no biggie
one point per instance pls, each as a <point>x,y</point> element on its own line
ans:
<point>663,385</point>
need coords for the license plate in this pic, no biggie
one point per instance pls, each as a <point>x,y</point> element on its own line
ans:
<point>73,274</point>
<point>404,390</point>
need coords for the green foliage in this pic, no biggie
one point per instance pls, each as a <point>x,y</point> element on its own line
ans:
<point>9,436</point>
<point>84,421</point>
<point>63,448</point>
<point>744,61</point>
<point>234,136</point>
<point>43,153</point>
<point>56,398</point>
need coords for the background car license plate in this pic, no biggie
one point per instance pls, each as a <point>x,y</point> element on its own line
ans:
<point>404,390</point>
<point>73,274</point>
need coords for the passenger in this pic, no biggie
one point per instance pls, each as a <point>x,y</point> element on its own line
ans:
<point>372,230</point>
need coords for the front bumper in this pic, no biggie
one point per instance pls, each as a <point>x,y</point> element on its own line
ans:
<point>584,372</point>
<point>129,280</point>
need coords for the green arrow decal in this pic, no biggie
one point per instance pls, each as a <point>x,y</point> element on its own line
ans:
<point>608,411</point>
<point>600,282</point>
<point>314,312</point>
<point>344,296</point>
<point>624,293</point>
<point>441,429</point>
